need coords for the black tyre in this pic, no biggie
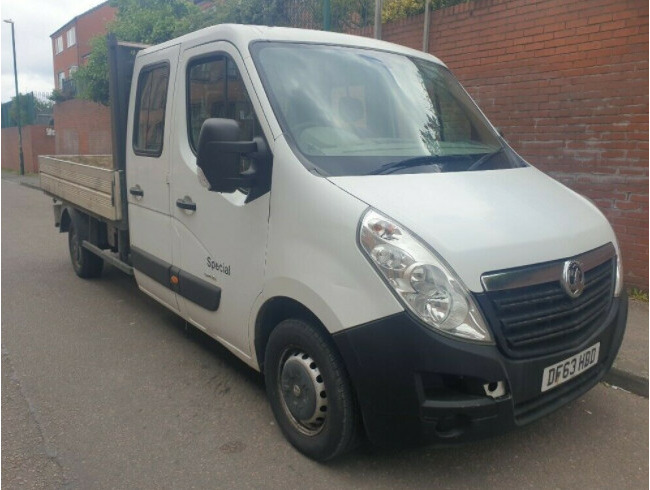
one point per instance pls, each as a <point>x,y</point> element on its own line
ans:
<point>85,263</point>
<point>309,391</point>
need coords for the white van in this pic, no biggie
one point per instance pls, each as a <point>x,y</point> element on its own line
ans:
<point>340,214</point>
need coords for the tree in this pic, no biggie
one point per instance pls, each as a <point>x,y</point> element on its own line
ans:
<point>344,14</point>
<point>30,106</point>
<point>255,12</point>
<point>142,21</point>
<point>155,21</point>
<point>92,78</point>
<point>398,9</point>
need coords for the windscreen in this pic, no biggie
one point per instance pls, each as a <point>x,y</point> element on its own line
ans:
<point>351,111</point>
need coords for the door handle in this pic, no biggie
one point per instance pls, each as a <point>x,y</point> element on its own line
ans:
<point>186,204</point>
<point>136,191</point>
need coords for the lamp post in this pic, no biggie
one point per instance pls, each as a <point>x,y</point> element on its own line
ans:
<point>327,15</point>
<point>378,19</point>
<point>18,112</point>
<point>427,24</point>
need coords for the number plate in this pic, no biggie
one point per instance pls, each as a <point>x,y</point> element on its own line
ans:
<point>563,371</point>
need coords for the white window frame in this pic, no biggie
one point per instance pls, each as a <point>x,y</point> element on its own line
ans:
<point>58,44</point>
<point>71,36</point>
<point>61,78</point>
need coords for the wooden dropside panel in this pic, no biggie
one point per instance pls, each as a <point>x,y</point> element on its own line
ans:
<point>91,188</point>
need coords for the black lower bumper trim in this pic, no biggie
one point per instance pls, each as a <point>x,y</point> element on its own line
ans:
<point>417,386</point>
<point>538,407</point>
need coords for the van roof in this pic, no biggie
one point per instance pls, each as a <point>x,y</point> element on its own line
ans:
<point>242,35</point>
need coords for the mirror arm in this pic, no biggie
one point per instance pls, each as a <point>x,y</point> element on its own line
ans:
<point>240,147</point>
<point>246,179</point>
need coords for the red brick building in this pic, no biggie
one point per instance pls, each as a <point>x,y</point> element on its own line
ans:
<point>71,43</point>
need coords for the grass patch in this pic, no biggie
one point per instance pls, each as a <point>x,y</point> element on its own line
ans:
<point>638,294</point>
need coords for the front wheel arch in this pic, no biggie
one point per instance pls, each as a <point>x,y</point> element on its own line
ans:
<point>272,313</point>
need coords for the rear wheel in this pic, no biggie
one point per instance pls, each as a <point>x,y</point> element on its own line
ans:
<point>309,391</point>
<point>85,263</point>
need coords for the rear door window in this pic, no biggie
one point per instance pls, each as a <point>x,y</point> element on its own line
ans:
<point>149,125</point>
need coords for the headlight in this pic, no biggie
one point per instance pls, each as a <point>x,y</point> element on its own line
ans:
<point>420,279</point>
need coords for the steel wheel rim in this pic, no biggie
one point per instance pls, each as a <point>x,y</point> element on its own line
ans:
<point>302,392</point>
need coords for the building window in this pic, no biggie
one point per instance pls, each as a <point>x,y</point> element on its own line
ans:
<point>58,45</point>
<point>61,79</point>
<point>72,69</point>
<point>71,37</point>
<point>149,127</point>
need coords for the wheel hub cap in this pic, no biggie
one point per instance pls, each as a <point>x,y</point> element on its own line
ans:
<point>303,392</point>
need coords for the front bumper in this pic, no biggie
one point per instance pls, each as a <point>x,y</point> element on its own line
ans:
<point>417,386</point>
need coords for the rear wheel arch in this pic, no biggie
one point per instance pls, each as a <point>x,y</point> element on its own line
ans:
<point>65,220</point>
<point>84,263</point>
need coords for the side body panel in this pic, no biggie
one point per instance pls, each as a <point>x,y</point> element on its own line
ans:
<point>313,256</point>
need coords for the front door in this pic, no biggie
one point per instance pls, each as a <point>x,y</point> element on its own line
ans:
<point>220,239</point>
<point>148,150</point>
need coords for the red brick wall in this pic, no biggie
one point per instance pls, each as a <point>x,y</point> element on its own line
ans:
<point>567,82</point>
<point>35,142</point>
<point>10,149</point>
<point>82,128</point>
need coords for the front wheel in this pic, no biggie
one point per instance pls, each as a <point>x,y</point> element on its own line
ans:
<point>309,391</point>
<point>85,263</point>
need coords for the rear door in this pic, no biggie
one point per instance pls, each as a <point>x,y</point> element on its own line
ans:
<point>148,151</point>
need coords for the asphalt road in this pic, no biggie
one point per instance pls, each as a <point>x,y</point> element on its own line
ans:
<point>103,388</point>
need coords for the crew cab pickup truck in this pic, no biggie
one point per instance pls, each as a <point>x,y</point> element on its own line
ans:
<point>339,213</point>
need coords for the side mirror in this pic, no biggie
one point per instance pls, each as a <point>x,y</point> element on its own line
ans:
<point>219,156</point>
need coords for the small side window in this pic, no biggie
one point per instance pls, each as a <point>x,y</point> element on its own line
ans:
<point>151,100</point>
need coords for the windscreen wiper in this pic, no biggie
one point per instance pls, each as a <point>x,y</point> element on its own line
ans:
<point>392,167</point>
<point>484,159</point>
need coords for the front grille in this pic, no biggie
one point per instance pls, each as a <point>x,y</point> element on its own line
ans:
<point>542,319</point>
